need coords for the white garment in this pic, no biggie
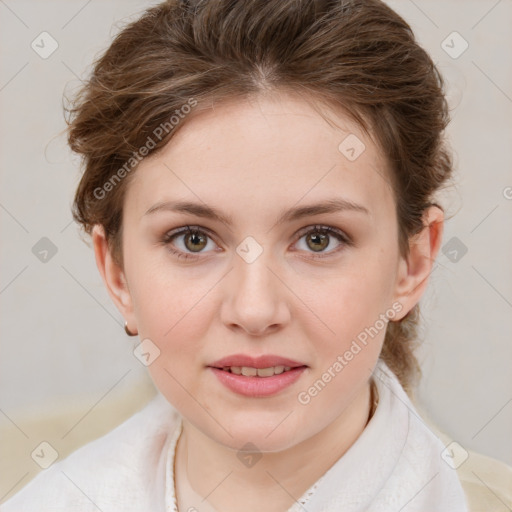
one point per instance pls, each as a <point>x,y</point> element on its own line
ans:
<point>394,466</point>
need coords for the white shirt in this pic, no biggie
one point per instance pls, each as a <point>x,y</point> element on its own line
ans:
<point>394,466</point>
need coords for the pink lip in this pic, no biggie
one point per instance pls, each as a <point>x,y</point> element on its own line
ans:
<point>265,361</point>
<point>258,386</point>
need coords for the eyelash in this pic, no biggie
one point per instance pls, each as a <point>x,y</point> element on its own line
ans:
<point>339,235</point>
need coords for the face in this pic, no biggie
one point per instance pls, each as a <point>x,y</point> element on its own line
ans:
<point>270,277</point>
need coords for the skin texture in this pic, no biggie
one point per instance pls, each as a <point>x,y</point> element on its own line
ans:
<point>252,159</point>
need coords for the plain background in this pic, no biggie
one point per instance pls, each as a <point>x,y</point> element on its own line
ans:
<point>63,339</point>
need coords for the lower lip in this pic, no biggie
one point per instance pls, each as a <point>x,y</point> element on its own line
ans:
<point>258,386</point>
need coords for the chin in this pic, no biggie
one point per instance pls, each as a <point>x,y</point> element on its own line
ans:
<point>270,435</point>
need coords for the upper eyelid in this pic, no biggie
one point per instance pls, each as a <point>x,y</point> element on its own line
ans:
<point>322,227</point>
<point>189,228</point>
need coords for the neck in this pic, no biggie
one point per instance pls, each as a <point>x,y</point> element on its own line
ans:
<point>214,470</point>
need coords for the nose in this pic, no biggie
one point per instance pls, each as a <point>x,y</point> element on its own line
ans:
<point>255,297</point>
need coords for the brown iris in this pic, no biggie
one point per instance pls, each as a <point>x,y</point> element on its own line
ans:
<point>197,241</point>
<point>320,240</point>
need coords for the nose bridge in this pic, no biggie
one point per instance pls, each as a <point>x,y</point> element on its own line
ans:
<point>252,270</point>
<point>253,277</point>
<point>255,295</point>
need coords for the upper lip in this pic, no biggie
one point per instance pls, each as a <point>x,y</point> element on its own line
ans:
<point>265,361</point>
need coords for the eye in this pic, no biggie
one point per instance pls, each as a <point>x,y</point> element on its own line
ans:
<point>193,239</point>
<point>318,238</point>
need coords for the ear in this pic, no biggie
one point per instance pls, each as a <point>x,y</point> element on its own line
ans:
<point>113,277</point>
<point>415,269</point>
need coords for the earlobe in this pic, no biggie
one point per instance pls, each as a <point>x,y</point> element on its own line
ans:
<point>415,269</point>
<point>113,275</point>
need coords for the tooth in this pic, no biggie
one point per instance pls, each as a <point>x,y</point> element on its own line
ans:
<point>286,368</point>
<point>249,372</point>
<point>278,370</point>
<point>265,372</point>
<point>236,370</point>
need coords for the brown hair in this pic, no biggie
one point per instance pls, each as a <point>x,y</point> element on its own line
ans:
<point>358,55</point>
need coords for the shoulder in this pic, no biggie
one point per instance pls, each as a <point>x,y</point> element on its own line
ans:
<point>421,472</point>
<point>114,472</point>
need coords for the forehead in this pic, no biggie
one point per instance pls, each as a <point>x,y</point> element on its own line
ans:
<point>261,151</point>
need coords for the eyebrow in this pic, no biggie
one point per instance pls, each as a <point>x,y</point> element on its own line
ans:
<point>203,210</point>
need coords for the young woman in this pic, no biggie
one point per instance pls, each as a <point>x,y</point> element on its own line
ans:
<point>259,183</point>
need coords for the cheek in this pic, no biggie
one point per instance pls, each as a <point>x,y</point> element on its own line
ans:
<point>162,295</point>
<point>353,311</point>
<point>173,313</point>
<point>353,307</point>
<point>357,294</point>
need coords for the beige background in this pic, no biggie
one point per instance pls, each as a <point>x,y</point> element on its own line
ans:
<point>63,346</point>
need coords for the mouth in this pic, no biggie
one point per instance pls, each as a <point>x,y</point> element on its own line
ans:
<point>257,377</point>
<point>249,371</point>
